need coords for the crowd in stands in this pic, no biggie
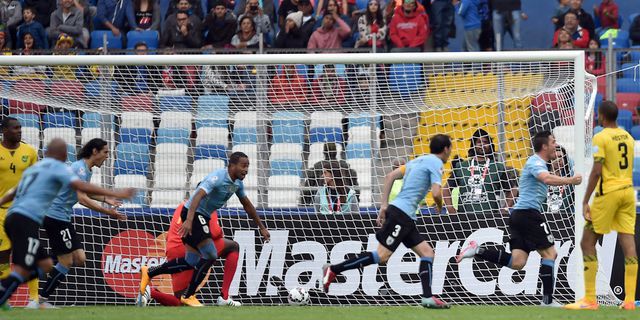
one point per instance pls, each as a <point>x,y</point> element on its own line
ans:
<point>389,25</point>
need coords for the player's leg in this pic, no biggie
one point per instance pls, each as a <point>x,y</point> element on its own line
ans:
<point>624,222</point>
<point>229,252</point>
<point>200,241</point>
<point>546,274</point>
<point>425,270</point>
<point>5,247</point>
<point>179,280</point>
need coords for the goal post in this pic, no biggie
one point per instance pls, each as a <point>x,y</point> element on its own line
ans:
<point>171,119</point>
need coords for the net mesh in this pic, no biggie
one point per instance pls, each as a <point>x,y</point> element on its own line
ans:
<point>169,126</point>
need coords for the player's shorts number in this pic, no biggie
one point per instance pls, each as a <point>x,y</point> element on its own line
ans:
<point>66,237</point>
<point>32,250</point>
<point>203,222</point>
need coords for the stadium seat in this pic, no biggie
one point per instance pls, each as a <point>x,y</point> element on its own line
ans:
<point>406,79</point>
<point>33,88</point>
<point>288,127</point>
<point>31,136</point>
<point>359,120</point>
<point>212,135</point>
<point>341,69</point>
<point>360,134</point>
<point>636,178</point>
<point>602,85</point>
<point>635,132</point>
<point>169,181</point>
<point>326,119</point>
<point>363,169</point>
<point>98,39</point>
<point>95,120</point>
<point>206,166</point>
<point>67,89</point>
<point>207,151</point>
<point>94,89</point>
<point>27,120</point>
<point>245,119</point>
<point>136,120</point>
<point>630,71</point>
<point>171,165</point>
<point>149,37</point>
<point>166,198</point>
<point>172,150</point>
<point>133,152</point>
<point>234,202</point>
<point>65,119</point>
<point>89,133</point>
<point>283,191</point>
<point>213,111</point>
<point>286,167</point>
<point>245,135</point>
<point>326,134</point>
<point>628,101</point>
<point>124,167</point>
<point>66,134</point>
<point>620,41</point>
<point>316,153</point>
<point>172,135</point>
<point>132,181</point>
<point>636,151</point>
<point>137,103</point>
<point>625,119</point>
<point>359,150</point>
<point>172,119</point>
<point>628,85</point>
<point>286,151</point>
<point>135,135</point>
<point>175,103</point>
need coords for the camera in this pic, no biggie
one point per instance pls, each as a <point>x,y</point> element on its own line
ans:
<point>254,8</point>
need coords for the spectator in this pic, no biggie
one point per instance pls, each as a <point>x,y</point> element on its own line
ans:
<point>261,20</point>
<point>487,40</point>
<point>507,12</point>
<point>34,27</point>
<point>607,12</point>
<point>147,14</point>
<point>468,10</point>
<point>185,5</point>
<point>181,78</point>
<point>114,15</point>
<point>443,17</point>
<point>63,47</point>
<point>267,8</point>
<point>69,20</point>
<point>139,78</point>
<point>328,88</point>
<point>335,196</point>
<point>409,27</point>
<point>561,9</point>
<point>314,174</point>
<point>330,8</point>
<point>220,26</point>
<point>329,36</point>
<point>246,37</point>
<point>43,10</point>
<point>29,72</point>
<point>183,34</point>
<point>585,20</point>
<point>308,20</point>
<point>193,7</point>
<point>342,7</point>
<point>10,16</point>
<point>579,35</point>
<point>291,36</point>
<point>564,38</point>
<point>5,71</point>
<point>286,8</point>
<point>288,87</point>
<point>595,60</point>
<point>561,199</point>
<point>481,179</point>
<point>372,26</point>
<point>634,31</point>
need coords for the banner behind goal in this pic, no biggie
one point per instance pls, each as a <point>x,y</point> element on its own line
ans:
<point>170,120</point>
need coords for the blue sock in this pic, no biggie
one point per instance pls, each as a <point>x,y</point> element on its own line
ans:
<point>425,272</point>
<point>57,275</point>
<point>209,251</point>
<point>192,258</point>
<point>363,260</point>
<point>548,281</point>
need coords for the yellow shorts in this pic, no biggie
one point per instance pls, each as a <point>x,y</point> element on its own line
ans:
<point>614,211</point>
<point>5,244</point>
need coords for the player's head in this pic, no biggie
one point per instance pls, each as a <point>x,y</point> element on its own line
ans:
<point>96,150</point>
<point>544,143</point>
<point>330,151</point>
<point>560,164</point>
<point>481,144</point>
<point>57,149</point>
<point>238,165</point>
<point>441,145</point>
<point>11,130</point>
<point>608,112</point>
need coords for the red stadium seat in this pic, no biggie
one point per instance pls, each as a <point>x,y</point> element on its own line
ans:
<point>31,87</point>
<point>72,89</point>
<point>628,101</point>
<point>545,102</point>
<point>602,86</point>
<point>139,103</point>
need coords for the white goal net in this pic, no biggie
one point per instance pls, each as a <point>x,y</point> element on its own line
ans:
<point>170,120</point>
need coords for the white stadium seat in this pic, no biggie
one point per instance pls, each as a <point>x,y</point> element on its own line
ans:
<point>246,119</point>
<point>31,136</point>
<point>66,134</point>
<point>636,146</point>
<point>283,191</point>
<point>316,153</point>
<point>165,92</point>
<point>326,119</point>
<point>234,202</point>
<point>172,150</point>
<point>169,181</point>
<point>363,171</point>
<point>360,135</point>
<point>170,166</point>
<point>206,166</point>
<point>196,177</point>
<point>166,198</point>
<point>286,151</point>
<point>136,120</point>
<point>210,135</point>
<point>90,133</point>
<point>132,181</point>
<point>174,119</point>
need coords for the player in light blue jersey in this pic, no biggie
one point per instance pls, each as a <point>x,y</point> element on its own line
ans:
<point>527,225</point>
<point>397,221</point>
<point>211,194</point>
<point>63,239</point>
<point>39,186</point>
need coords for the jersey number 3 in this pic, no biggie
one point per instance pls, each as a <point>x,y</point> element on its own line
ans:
<point>622,147</point>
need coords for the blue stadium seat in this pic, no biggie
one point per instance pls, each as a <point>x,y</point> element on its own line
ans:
<point>97,41</point>
<point>625,119</point>
<point>65,119</point>
<point>209,151</point>
<point>286,167</point>
<point>636,164</point>
<point>636,178</point>
<point>340,70</point>
<point>135,135</point>
<point>628,85</point>
<point>406,78</point>
<point>71,153</point>
<point>175,103</point>
<point>133,152</point>
<point>173,135</point>
<point>93,89</point>
<point>245,136</point>
<point>362,4</point>
<point>213,111</point>
<point>362,120</point>
<point>27,119</point>
<point>630,70</point>
<point>635,54</point>
<point>635,132</point>
<point>599,99</point>
<point>358,151</point>
<point>325,135</point>
<point>288,127</point>
<point>597,129</point>
<point>130,167</point>
<point>150,37</point>
<point>620,41</point>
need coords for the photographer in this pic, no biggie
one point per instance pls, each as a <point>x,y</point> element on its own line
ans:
<point>253,10</point>
<point>181,34</point>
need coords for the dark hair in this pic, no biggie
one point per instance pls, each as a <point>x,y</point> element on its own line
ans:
<point>330,151</point>
<point>439,142</point>
<point>377,19</point>
<point>6,121</point>
<point>35,44</point>
<point>93,144</point>
<point>253,24</point>
<point>608,110</point>
<point>30,8</point>
<point>182,12</point>
<point>565,171</point>
<point>540,139</point>
<point>598,54</point>
<point>236,156</point>
<point>481,133</point>
<point>139,44</point>
<point>571,12</point>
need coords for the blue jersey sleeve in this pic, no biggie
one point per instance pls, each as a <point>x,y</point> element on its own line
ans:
<point>435,173</point>
<point>207,185</point>
<point>64,174</point>
<point>538,166</point>
<point>240,192</point>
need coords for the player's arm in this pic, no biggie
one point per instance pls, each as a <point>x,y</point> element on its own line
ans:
<point>436,192</point>
<point>553,180</point>
<point>389,179</point>
<point>108,200</point>
<point>446,192</point>
<point>8,197</point>
<point>594,176</point>
<point>80,185</point>
<point>88,202</point>
<point>253,214</point>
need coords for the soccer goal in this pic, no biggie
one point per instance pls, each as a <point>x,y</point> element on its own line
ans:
<point>171,119</point>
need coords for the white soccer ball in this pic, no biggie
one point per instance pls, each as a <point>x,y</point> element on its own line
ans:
<point>298,297</point>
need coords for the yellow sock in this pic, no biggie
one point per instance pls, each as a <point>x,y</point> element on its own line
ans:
<point>590,271</point>
<point>5,269</point>
<point>630,278</point>
<point>33,289</point>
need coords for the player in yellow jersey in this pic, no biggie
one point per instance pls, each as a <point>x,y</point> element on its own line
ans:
<point>614,206</point>
<point>15,157</point>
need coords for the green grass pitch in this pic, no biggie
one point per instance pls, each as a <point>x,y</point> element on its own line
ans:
<point>309,312</point>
